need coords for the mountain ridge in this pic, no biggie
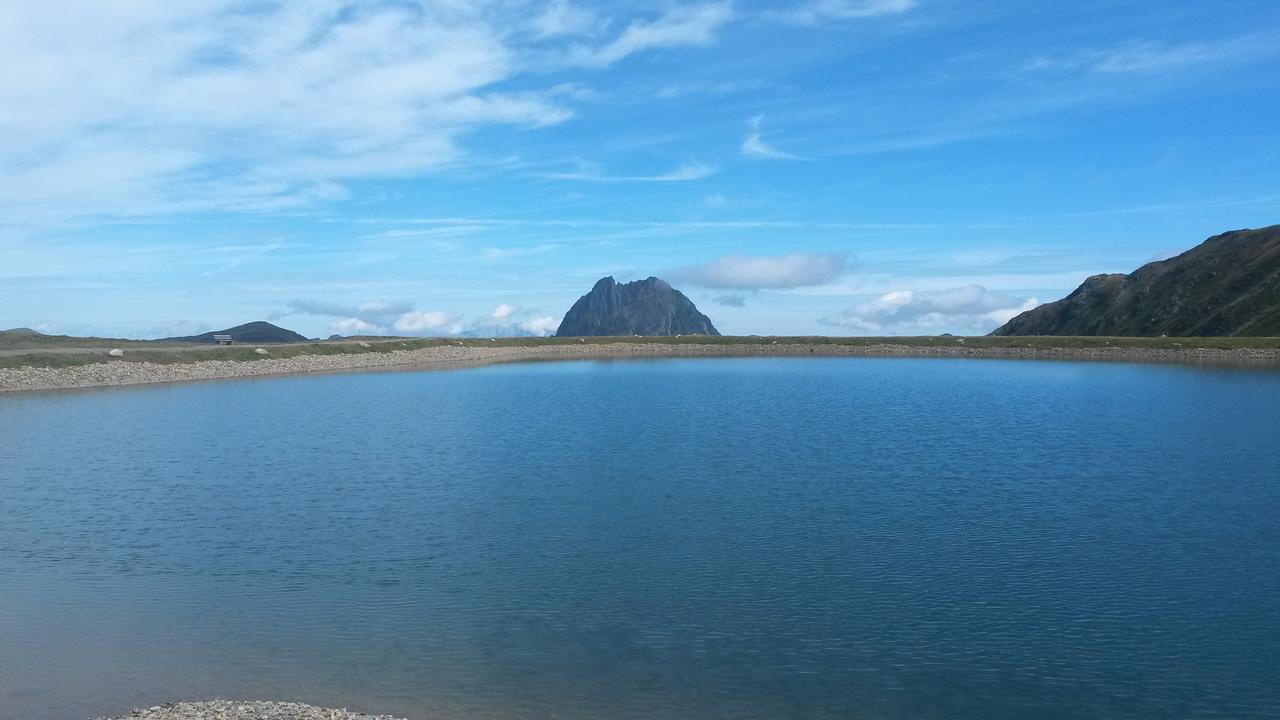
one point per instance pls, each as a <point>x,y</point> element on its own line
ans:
<point>254,332</point>
<point>1228,285</point>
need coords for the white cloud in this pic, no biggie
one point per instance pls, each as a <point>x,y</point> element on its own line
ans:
<point>540,326</point>
<point>146,107</point>
<point>971,307</point>
<point>419,323</point>
<point>371,317</point>
<point>376,318</point>
<point>400,318</point>
<point>739,272</point>
<point>682,26</point>
<point>355,326</point>
<point>513,321</point>
<point>753,145</point>
<point>816,11</point>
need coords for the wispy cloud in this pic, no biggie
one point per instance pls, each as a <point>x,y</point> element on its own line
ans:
<point>753,145</point>
<point>561,17</point>
<point>229,107</point>
<point>240,255</point>
<point>739,272</point>
<point>864,284</point>
<point>1142,56</point>
<point>815,11</point>
<point>745,224</point>
<point>691,170</point>
<point>682,26</point>
<point>367,318</point>
<point>513,252</point>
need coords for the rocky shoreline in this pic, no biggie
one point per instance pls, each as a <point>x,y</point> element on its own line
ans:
<point>124,372</point>
<point>232,710</point>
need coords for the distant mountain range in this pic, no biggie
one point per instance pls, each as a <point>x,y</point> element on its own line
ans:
<point>644,307</point>
<point>1228,285</point>
<point>254,332</point>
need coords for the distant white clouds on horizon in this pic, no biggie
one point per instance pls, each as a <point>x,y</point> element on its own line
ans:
<point>961,309</point>
<point>400,318</point>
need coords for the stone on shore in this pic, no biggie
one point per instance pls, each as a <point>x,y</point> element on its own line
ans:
<point>235,710</point>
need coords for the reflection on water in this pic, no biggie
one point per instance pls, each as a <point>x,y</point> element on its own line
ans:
<point>844,538</point>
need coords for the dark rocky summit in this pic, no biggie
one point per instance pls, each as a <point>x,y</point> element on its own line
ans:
<point>1229,285</point>
<point>254,332</point>
<point>643,307</point>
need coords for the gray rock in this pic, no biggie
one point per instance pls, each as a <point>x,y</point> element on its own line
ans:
<point>645,307</point>
<point>115,352</point>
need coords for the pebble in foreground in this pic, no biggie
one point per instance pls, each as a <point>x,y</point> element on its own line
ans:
<point>232,710</point>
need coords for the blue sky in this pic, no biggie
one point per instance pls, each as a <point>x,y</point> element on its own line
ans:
<point>806,167</point>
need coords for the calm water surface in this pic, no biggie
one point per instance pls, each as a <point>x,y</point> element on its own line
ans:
<point>838,538</point>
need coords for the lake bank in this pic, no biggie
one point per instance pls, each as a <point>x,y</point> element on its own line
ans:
<point>125,371</point>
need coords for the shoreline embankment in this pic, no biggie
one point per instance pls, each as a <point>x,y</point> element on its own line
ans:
<point>127,372</point>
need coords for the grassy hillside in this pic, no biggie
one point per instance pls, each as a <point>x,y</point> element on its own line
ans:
<point>1229,285</point>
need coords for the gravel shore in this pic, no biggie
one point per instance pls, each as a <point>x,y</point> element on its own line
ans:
<point>125,372</point>
<point>231,710</point>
